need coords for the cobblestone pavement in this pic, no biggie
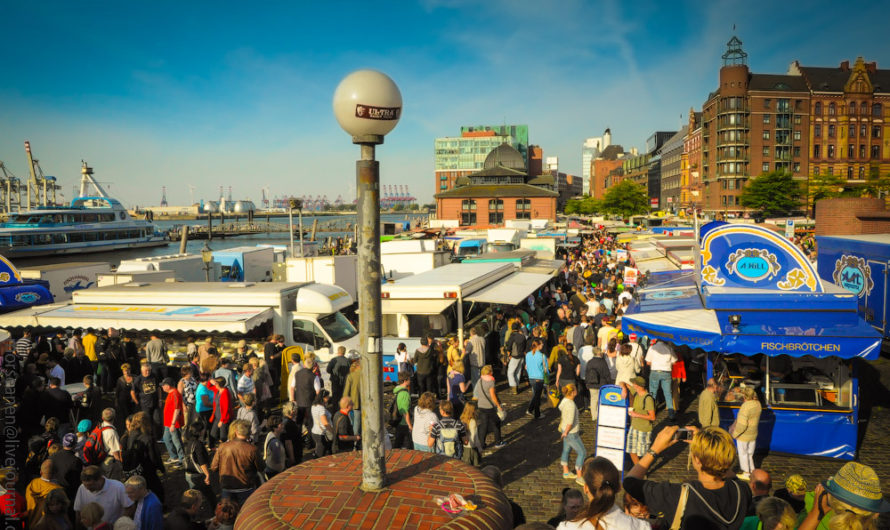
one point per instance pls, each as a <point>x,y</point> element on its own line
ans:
<point>533,475</point>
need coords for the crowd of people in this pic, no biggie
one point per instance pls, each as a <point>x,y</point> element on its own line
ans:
<point>230,422</point>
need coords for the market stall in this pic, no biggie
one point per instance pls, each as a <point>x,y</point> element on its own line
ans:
<point>767,321</point>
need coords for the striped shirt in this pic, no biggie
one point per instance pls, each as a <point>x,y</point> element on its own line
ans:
<point>23,347</point>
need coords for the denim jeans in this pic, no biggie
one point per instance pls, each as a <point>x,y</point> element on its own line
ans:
<point>173,443</point>
<point>661,379</point>
<point>355,417</point>
<point>514,371</point>
<point>475,374</point>
<point>573,441</point>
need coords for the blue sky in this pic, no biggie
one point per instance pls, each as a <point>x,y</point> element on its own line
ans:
<point>239,94</point>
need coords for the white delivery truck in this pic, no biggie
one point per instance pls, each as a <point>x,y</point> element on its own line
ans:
<point>66,278</point>
<point>306,314</point>
<point>185,267</point>
<point>504,239</point>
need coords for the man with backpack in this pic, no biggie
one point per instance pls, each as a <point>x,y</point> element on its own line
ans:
<point>102,441</point>
<point>642,414</point>
<point>447,436</point>
<point>397,414</point>
<point>344,437</point>
<point>516,349</point>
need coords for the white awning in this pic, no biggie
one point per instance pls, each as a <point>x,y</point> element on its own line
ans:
<point>657,265</point>
<point>511,290</point>
<point>693,320</point>
<point>142,317</point>
<point>415,307</point>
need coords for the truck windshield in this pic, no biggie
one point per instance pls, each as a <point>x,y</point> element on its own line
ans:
<point>337,327</point>
<point>501,247</point>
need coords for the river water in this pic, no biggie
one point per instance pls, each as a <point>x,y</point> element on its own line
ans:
<point>195,246</point>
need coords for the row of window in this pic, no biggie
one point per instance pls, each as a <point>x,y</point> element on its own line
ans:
<point>795,167</point>
<point>851,151</point>
<point>74,237</point>
<point>851,129</point>
<point>876,109</point>
<point>60,218</point>
<point>495,211</point>
<point>851,172</point>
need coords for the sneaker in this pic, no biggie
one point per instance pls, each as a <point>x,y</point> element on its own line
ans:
<point>580,481</point>
<point>528,413</point>
<point>569,476</point>
<point>744,476</point>
<point>500,444</point>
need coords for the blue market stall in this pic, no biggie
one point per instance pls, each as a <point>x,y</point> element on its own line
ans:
<point>19,293</point>
<point>766,319</point>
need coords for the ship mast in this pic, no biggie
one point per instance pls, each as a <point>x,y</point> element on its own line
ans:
<point>87,180</point>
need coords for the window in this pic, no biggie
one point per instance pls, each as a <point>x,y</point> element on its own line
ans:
<point>766,135</point>
<point>766,166</point>
<point>523,209</point>
<point>766,118</point>
<point>797,135</point>
<point>852,108</point>
<point>851,151</point>
<point>495,212</point>
<point>817,108</point>
<point>817,151</point>
<point>797,167</point>
<point>863,109</point>
<point>851,130</point>
<point>861,151</point>
<point>862,131</point>
<point>876,131</point>
<point>831,131</point>
<point>817,131</point>
<point>849,172</point>
<point>815,171</point>
<point>832,109</point>
<point>796,151</point>
<point>797,120</point>
<point>861,173</point>
<point>468,212</point>
<point>730,184</point>
<point>765,150</point>
<point>830,170</point>
<point>876,110</point>
<point>831,151</point>
<point>876,151</point>
<point>766,103</point>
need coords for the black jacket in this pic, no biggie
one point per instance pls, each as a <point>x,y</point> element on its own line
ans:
<point>597,373</point>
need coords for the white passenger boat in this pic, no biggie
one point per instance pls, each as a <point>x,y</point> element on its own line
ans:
<point>94,222</point>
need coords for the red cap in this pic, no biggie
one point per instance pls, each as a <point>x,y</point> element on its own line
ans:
<point>632,336</point>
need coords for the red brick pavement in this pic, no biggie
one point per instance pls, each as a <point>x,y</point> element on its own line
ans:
<point>324,493</point>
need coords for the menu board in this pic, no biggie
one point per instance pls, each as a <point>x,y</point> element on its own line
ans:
<point>611,425</point>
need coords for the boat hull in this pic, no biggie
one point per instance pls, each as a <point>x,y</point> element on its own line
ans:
<point>80,248</point>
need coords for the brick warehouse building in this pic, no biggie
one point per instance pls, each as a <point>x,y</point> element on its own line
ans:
<point>810,121</point>
<point>501,191</point>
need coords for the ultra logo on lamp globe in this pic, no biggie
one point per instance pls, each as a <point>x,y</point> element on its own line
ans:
<point>853,274</point>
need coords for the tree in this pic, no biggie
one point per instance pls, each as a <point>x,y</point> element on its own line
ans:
<point>877,185</point>
<point>585,206</point>
<point>773,193</point>
<point>625,199</point>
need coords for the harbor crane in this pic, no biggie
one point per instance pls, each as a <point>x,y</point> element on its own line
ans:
<point>38,182</point>
<point>10,190</point>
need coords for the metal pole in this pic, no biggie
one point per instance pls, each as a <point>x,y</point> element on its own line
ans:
<point>209,226</point>
<point>290,217</point>
<point>300,211</point>
<point>185,238</point>
<point>370,321</point>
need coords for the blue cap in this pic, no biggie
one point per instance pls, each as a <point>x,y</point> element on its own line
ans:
<point>84,426</point>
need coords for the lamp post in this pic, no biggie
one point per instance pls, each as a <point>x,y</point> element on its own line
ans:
<point>368,105</point>
<point>295,204</point>
<point>206,257</point>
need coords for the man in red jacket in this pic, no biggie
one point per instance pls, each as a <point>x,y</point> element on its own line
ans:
<point>173,414</point>
<point>223,412</point>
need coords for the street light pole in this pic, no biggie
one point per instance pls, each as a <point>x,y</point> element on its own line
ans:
<point>368,104</point>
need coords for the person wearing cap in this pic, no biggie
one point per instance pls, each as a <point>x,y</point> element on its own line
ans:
<point>794,492</point>
<point>852,498</point>
<point>642,413</point>
<point>173,415</point>
<point>67,466</point>
<point>225,370</point>
<point>83,431</point>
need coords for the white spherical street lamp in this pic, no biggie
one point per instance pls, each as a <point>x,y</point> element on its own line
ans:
<point>368,105</point>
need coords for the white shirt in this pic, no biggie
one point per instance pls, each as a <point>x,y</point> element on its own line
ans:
<point>58,371</point>
<point>112,497</point>
<point>423,420</point>
<point>585,354</point>
<point>110,439</point>
<point>624,295</point>
<point>661,357</point>
<point>614,519</point>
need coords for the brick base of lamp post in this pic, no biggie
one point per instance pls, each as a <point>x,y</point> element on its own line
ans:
<point>325,493</point>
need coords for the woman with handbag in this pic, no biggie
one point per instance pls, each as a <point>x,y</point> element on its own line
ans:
<point>744,430</point>
<point>491,412</point>
<point>537,370</point>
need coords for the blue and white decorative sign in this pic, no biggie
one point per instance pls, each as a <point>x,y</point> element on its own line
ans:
<point>853,274</point>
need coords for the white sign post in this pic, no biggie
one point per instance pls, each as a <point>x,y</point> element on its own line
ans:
<point>789,229</point>
<point>611,426</point>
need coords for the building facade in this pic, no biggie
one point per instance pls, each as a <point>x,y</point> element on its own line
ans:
<point>462,155</point>
<point>690,172</point>
<point>671,170</point>
<point>502,190</point>
<point>590,151</point>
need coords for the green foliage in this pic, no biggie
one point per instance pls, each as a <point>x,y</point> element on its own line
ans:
<point>398,207</point>
<point>626,198</point>
<point>584,206</point>
<point>773,193</point>
<point>825,186</point>
<point>877,185</point>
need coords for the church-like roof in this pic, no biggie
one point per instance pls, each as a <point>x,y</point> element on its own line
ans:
<point>505,155</point>
<point>496,190</point>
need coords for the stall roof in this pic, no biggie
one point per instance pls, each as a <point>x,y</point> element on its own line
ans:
<point>416,307</point>
<point>511,290</point>
<point>142,317</point>
<point>655,265</point>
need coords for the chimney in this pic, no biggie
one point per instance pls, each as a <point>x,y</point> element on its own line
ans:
<point>845,66</point>
<point>872,67</point>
